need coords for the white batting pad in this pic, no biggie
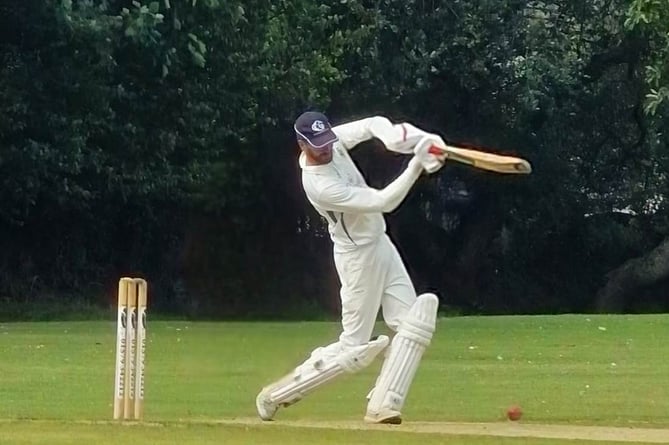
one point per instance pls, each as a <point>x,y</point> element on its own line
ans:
<point>406,351</point>
<point>323,365</point>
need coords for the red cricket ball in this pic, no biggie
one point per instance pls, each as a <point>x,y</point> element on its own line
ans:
<point>514,412</point>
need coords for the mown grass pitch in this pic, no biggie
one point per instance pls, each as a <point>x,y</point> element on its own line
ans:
<point>56,379</point>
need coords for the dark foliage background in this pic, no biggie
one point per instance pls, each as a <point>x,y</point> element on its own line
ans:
<point>155,139</point>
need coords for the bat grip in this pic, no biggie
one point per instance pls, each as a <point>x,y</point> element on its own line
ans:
<point>434,150</point>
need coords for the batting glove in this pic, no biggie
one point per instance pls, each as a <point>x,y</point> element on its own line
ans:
<point>430,162</point>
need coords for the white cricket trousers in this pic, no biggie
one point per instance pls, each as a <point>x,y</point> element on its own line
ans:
<point>372,276</point>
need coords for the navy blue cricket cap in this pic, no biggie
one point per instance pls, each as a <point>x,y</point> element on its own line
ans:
<point>314,128</point>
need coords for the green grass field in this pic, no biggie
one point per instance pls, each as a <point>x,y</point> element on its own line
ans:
<point>56,381</point>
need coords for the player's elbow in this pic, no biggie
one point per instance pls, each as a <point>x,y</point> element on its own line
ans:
<point>379,126</point>
<point>379,202</point>
<point>388,204</point>
<point>390,207</point>
<point>380,121</point>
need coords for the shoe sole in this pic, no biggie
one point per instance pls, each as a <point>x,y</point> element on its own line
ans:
<point>393,420</point>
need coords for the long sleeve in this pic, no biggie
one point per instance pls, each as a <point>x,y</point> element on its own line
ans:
<point>400,138</point>
<point>340,197</point>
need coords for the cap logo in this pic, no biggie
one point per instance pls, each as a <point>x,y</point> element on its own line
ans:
<point>317,126</point>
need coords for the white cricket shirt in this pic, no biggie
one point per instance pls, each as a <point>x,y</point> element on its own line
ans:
<point>338,191</point>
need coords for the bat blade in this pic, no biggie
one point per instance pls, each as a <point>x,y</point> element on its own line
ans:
<point>484,160</point>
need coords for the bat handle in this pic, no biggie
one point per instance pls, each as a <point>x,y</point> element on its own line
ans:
<point>434,150</point>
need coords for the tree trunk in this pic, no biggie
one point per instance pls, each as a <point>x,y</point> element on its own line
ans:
<point>635,273</point>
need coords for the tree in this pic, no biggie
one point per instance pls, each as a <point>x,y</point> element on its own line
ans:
<point>649,21</point>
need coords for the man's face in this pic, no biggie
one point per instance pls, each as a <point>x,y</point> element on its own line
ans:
<point>316,156</point>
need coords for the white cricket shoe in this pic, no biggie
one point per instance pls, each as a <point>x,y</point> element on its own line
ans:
<point>266,409</point>
<point>387,416</point>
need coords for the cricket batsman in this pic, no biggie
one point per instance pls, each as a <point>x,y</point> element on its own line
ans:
<point>370,269</point>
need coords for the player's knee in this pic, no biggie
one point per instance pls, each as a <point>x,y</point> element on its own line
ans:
<point>354,358</point>
<point>419,323</point>
<point>393,318</point>
<point>423,309</point>
<point>393,322</point>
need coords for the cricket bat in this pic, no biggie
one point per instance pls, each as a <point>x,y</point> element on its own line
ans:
<point>484,160</point>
